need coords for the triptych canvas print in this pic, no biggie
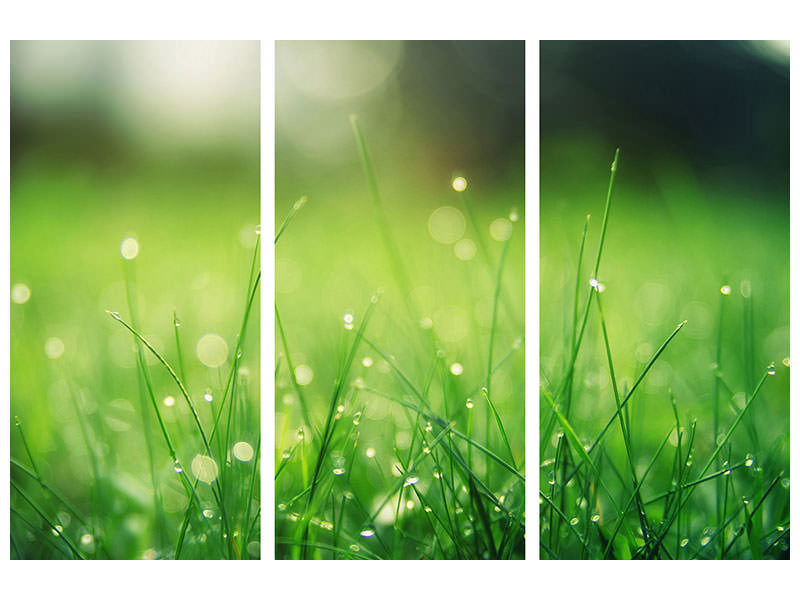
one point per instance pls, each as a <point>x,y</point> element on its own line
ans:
<point>393,422</point>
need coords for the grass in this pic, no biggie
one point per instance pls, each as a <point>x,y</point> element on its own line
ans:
<point>642,483</point>
<point>396,439</point>
<point>200,452</point>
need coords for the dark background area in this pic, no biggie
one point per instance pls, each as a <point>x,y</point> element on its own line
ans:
<point>723,106</point>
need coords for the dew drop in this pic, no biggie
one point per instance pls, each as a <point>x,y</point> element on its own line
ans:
<point>354,547</point>
<point>285,455</point>
<point>169,401</point>
<point>411,480</point>
<point>243,451</point>
<point>771,369</point>
<point>54,348</point>
<point>303,374</point>
<point>704,540</point>
<point>367,532</point>
<point>786,362</point>
<point>469,404</point>
<point>459,184</point>
<point>177,467</point>
<point>370,452</point>
<point>725,290</point>
<point>20,293</point>
<point>684,542</point>
<point>204,468</point>
<point>456,368</point>
<point>208,513</point>
<point>367,362</point>
<point>129,248</point>
<point>595,518</point>
<point>357,418</point>
<point>573,521</point>
<point>208,396</point>
<point>300,434</point>
<point>748,460</point>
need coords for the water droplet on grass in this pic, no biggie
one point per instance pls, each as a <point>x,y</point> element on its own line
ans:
<point>348,321</point>
<point>595,518</point>
<point>169,401</point>
<point>212,350</point>
<point>300,434</point>
<point>177,467</point>
<point>704,540</point>
<point>254,549</point>
<point>469,404</point>
<point>303,374</point>
<point>501,229</point>
<point>357,418</point>
<point>725,290</point>
<point>786,362</point>
<point>20,293</point>
<point>771,369</point>
<point>243,451</point>
<point>367,362</point>
<point>459,184</point>
<point>465,249</point>
<point>208,396</point>
<point>456,368</point>
<point>54,348</point>
<point>446,224</point>
<point>370,452</point>
<point>748,460</point>
<point>411,480</point>
<point>354,547</point>
<point>684,542</point>
<point>204,468</point>
<point>367,532</point>
<point>573,521</point>
<point>129,248</point>
<point>208,513</point>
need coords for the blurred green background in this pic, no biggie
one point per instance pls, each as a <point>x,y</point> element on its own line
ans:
<point>156,141</point>
<point>700,201</point>
<point>429,111</point>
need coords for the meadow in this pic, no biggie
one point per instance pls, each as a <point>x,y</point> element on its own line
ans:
<point>399,425</point>
<point>135,403</point>
<point>664,370</point>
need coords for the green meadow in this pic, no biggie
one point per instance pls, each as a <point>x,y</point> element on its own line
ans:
<point>664,371</point>
<point>134,420</point>
<point>400,350</point>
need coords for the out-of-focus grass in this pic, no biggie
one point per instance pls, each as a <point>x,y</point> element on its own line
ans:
<point>677,248</point>
<point>390,479</point>
<point>85,411</point>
